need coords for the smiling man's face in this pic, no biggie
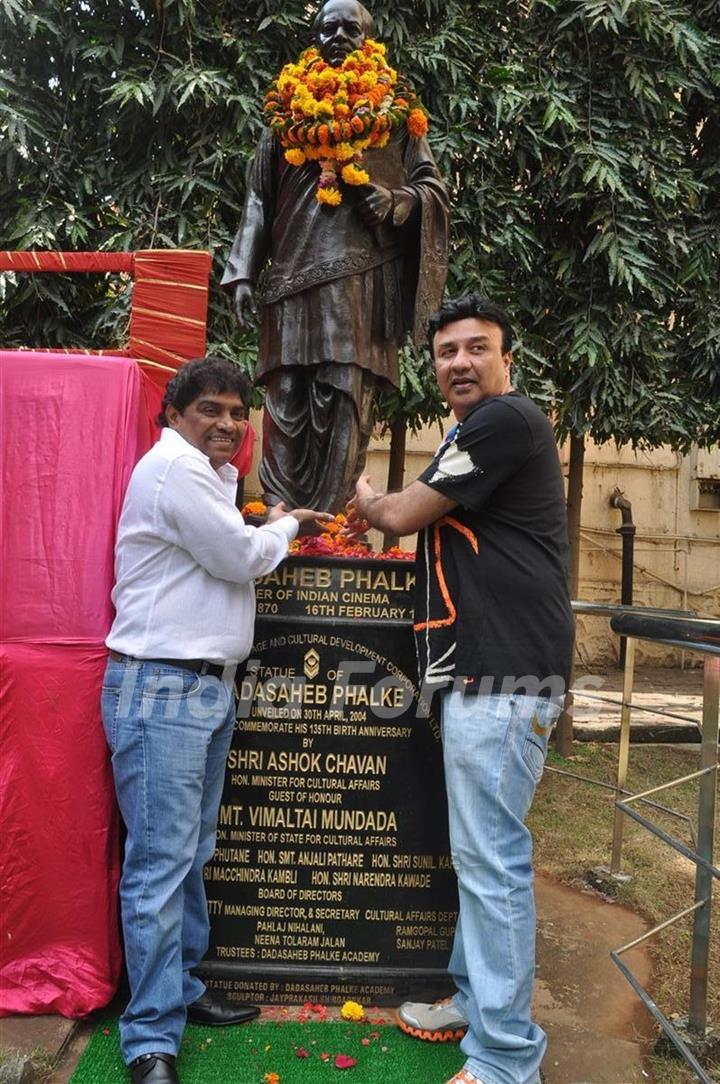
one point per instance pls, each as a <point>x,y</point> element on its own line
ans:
<point>213,423</point>
<point>470,363</point>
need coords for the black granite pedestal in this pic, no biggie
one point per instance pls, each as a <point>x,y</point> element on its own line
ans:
<point>331,877</point>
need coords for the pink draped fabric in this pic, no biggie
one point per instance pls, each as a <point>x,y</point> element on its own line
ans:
<point>73,427</point>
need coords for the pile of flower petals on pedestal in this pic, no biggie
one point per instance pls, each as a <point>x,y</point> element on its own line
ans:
<point>332,543</point>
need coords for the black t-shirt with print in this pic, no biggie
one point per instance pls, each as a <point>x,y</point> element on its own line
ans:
<point>491,598</point>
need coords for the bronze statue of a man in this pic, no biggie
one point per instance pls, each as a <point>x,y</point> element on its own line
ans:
<point>345,284</point>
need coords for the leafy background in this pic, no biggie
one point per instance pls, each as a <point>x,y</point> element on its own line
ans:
<point>578,137</point>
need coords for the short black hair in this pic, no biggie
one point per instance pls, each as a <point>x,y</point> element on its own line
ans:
<point>208,374</point>
<point>469,305</point>
<point>368,23</point>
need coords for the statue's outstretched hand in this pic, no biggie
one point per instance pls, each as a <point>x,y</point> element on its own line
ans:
<point>245,309</point>
<point>375,204</point>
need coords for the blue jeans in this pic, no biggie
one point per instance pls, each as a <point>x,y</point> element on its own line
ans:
<point>169,732</point>
<point>494,751</point>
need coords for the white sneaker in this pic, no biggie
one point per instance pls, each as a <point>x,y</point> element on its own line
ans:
<point>439,1022</point>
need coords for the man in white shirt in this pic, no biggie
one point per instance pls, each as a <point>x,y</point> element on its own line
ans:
<point>185,602</point>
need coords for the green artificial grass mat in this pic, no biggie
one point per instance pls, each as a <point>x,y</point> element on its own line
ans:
<point>246,1053</point>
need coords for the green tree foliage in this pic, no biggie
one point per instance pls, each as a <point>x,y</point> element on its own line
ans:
<point>579,139</point>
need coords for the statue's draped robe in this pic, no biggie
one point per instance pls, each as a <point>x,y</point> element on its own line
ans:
<point>338,299</point>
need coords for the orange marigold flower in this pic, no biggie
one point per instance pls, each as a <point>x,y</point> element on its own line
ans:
<point>272,1078</point>
<point>324,134</point>
<point>254,508</point>
<point>357,125</point>
<point>341,110</point>
<point>295,156</point>
<point>417,123</point>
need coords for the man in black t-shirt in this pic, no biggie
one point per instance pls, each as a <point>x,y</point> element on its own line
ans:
<point>494,634</point>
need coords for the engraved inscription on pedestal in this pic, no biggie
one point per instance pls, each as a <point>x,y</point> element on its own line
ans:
<point>331,876</point>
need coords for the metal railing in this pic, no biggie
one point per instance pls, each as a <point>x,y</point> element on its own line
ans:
<point>672,629</point>
<point>625,703</point>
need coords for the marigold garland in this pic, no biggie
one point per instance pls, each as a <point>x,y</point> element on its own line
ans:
<point>332,114</point>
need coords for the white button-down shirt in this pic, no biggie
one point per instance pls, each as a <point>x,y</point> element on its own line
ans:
<point>185,559</point>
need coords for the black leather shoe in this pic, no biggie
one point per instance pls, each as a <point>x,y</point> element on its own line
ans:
<point>215,1011</point>
<point>154,1069</point>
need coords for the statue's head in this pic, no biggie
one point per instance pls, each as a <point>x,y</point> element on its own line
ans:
<point>341,26</point>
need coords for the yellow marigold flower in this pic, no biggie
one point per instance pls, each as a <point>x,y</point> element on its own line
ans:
<point>344,151</point>
<point>325,108</point>
<point>352,1010</point>
<point>352,175</point>
<point>417,123</point>
<point>331,196</point>
<point>295,156</point>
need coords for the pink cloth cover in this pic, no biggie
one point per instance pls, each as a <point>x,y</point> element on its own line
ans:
<point>73,426</point>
